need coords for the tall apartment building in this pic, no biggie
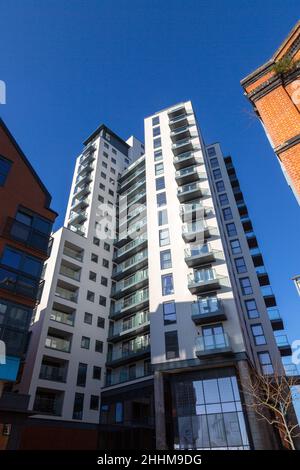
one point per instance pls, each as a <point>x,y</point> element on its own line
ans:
<point>25,226</point>
<point>274,92</point>
<point>145,339</point>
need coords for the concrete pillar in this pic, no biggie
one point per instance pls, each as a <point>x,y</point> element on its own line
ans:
<point>160,418</point>
<point>262,434</point>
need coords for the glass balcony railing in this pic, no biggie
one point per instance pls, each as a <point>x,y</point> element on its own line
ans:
<point>274,314</point>
<point>78,255</point>
<point>78,215</point>
<point>139,347</point>
<point>212,343</point>
<point>58,343</point>
<point>130,281</point>
<point>194,227</point>
<point>282,340</point>
<point>130,302</point>
<point>129,181</point>
<point>66,294</point>
<point>178,118</point>
<point>141,256</point>
<point>207,306</point>
<point>20,284</point>
<point>291,370</point>
<point>57,374</point>
<point>137,321</point>
<point>203,275</point>
<point>126,374</point>
<point>128,247</point>
<point>199,250</point>
<point>69,272</point>
<point>62,317</point>
<point>133,188</point>
<point>28,236</point>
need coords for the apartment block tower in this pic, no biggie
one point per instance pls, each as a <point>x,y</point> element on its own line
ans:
<point>156,305</point>
<point>274,92</point>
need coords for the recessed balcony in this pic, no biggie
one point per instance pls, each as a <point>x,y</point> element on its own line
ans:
<point>83,190</point>
<point>79,205</point>
<point>183,145</point>
<point>77,217</point>
<point>180,133</point>
<point>275,318</point>
<point>53,369</point>
<point>20,284</point>
<point>208,310</point>
<point>187,159</point>
<point>48,402</point>
<point>197,231</point>
<point>62,314</point>
<point>119,356</point>
<point>179,121</point>
<point>84,177</point>
<point>201,254</point>
<point>205,280</point>
<point>58,343</point>
<point>283,345</point>
<point>191,191</point>
<point>189,174</point>
<point>28,236</point>
<point>131,304</point>
<point>213,345</point>
<point>129,284</point>
<point>66,291</point>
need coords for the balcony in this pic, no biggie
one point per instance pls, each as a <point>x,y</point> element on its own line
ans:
<point>48,403</point>
<point>130,304</point>
<point>78,229</point>
<point>191,191</point>
<point>283,345</point>
<point>269,297</point>
<point>20,284</point>
<point>126,184</point>
<point>28,236</point>
<point>205,280</point>
<point>79,204</point>
<point>127,374</point>
<point>70,270</point>
<point>66,291</point>
<point>129,249</point>
<point>200,254</point>
<point>291,370</point>
<point>130,284</point>
<point>180,133</point>
<point>82,191</point>
<point>84,177</point>
<point>63,317</point>
<point>194,211</point>
<point>120,356</point>
<point>132,190</point>
<point>77,217</point>
<point>135,263</point>
<point>130,327</point>
<point>213,345</point>
<point>125,204</point>
<point>208,310</point>
<point>275,318</point>
<point>59,344</point>
<point>85,168</point>
<point>179,121</point>
<point>183,145</point>
<point>73,252</point>
<point>198,231</point>
<point>189,174</point>
<point>53,373</point>
<point>186,159</point>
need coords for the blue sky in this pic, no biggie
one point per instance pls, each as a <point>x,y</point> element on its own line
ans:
<point>70,65</point>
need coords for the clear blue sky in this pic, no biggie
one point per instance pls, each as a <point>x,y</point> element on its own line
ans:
<point>71,65</point>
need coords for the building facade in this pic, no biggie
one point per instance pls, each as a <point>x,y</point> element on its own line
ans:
<point>25,226</point>
<point>157,304</point>
<point>274,92</point>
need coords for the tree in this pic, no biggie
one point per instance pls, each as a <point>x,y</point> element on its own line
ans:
<point>272,398</point>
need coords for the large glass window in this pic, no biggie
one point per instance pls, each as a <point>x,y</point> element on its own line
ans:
<point>156,131</point>
<point>22,262</point>
<point>266,363</point>
<point>78,406</point>
<point>169,312</point>
<point>160,183</point>
<point>157,142</point>
<point>171,342</point>
<point>258,334</point>
<point>167,284</point>
<point>5,166</point>
<point>162,217</point>
<point>158,156</point>
<point>251,308</point>
<point>165,259</point>
<point>246,286</point>
<point>81,375</point>
<point>159,169</point>
<point>164,237</point>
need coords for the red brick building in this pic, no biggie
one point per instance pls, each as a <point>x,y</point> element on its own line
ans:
<point>26,221</point>
<point>274,91</point>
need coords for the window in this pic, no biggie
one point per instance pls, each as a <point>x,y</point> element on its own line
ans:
<point>113,170</point>
<point>155,120</point>
<point>114,151</point>
<point>217,174</point>
<point>223,199</point>
<point>119,412</point>
<point>167,284</point>
<point>96,241</point>
<point>171,344</point>
<point>5,166</point>
<point>30,219</point>
<point>97,373</point>
<point>158,156</point>
<point>88,318</point>
<point>100,322</point>
<point>99,346</point>
<point>105,263</point>
<point>92,276</point>
<point>94,258</point>
<point>113,160</point>
<point>220,186</point>
<point>90,296</point>
<point>162,217</point>
<point>105,154</point>
<point>102,300</point>
<point>106,246</point>
<point>251,308</point>
<point>85,342</point>
<point>160,183</point>
<point>165,259</point>
<point>211,152</point>
<point>258,334</point>
<point>106,145</point>
<point>169,312</point>
<point>265,362</point>
<point>159,169</point>
<point>214,163</point>
<point>161,199</point>
<point>235,247</point>
<point>157,143</point>
<point>103,175</point>
<point>164,237</point>
<point>81,375</point>
<point>78,406</point>
<point>156,131</point>
<point>20,261</point>
<point>102,186</point>
<point>104,164</point>
<point>227,214</point>
<point>94,402</point>
<point>104,281</point>
<point>231,230</point>
<point>240,265</point>
<point>111,193</point>
<point>246,286</point>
